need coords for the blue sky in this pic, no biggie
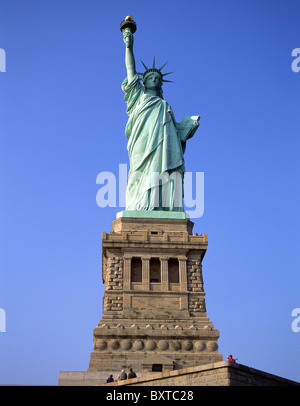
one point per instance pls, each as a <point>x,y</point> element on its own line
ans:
<point>62,123</point>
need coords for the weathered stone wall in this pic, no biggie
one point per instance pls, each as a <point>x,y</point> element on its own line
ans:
<point>113,303</point>
<point>223,373</point>
<point>114,273</point>
<point>194,274</point>
<point>147,313</point>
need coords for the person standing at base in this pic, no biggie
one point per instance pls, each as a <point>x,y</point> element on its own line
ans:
<point>230,358</point>
<point>122,375</point>
<point>131,374</point>
<point>110,379</point>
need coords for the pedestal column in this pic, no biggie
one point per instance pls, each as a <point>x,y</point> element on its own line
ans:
<point>146,273</point>
<point>127,273</point>
<point>164,273</point>
<point>182,273</point>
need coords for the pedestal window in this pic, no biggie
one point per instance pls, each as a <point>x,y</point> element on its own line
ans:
<point>155,272</point>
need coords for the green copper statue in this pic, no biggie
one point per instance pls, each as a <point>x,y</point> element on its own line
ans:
<point>156,142</point>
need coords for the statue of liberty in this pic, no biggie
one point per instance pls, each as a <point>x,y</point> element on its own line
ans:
<point>156,142</point>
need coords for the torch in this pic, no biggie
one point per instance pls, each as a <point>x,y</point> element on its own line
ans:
<point>128,23</point>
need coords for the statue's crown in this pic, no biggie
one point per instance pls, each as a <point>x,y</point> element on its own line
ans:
<point>154,69</point>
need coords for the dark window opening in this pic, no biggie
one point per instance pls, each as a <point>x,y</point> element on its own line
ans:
<point>155,270</point>
<point>136,269</point>
<point>157,368</point>
<point>173,270</point>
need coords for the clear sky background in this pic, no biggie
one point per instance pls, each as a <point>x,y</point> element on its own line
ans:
<point>62,123</point>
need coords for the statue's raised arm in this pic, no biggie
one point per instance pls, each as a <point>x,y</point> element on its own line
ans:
<point>128,27</point>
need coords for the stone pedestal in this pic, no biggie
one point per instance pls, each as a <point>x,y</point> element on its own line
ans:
<point>154,313</point>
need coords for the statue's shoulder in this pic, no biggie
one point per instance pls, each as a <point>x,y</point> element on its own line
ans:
<point>135,84</point>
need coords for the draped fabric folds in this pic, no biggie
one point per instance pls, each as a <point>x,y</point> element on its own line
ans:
<point>156,146</point>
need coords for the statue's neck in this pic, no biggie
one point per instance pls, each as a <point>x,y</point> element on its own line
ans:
<point>153,92</point>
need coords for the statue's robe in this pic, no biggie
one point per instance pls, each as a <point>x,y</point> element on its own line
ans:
<point>156,145</point>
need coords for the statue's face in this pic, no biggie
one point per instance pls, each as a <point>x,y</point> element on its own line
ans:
<point>153,81</point>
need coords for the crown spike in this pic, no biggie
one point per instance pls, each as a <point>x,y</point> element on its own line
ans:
<point>144,65</point>
<point>153,65</point>
<point>162,66</point>
<point>154,69</point>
